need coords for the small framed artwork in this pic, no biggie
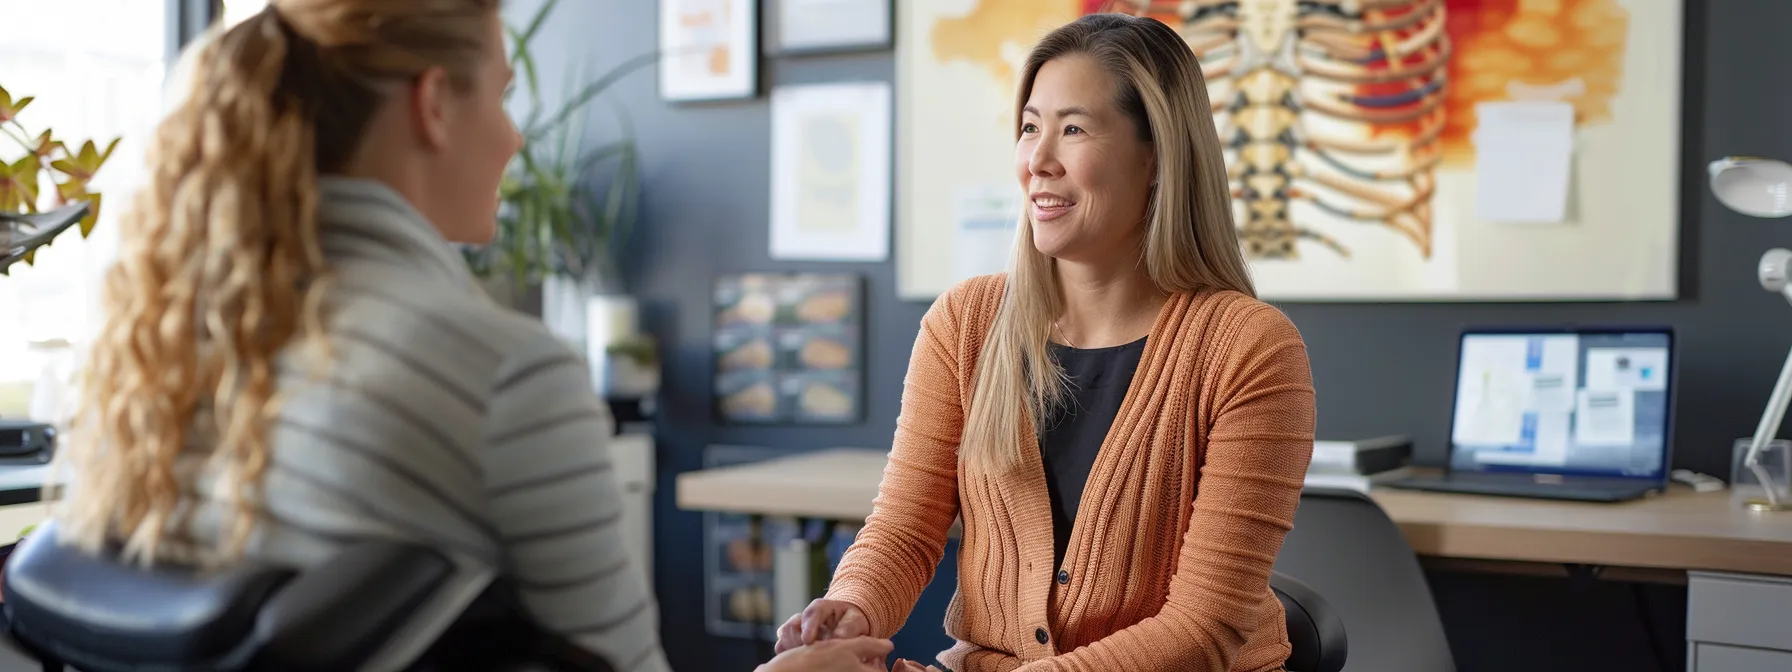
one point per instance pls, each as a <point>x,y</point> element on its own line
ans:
<point>825,26</point>
<point>788,348</point>
<point>830,170</point>
<point>709,50</point>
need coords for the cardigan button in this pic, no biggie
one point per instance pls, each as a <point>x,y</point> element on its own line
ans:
<point>1063,577</point>
<point>1039,634</point>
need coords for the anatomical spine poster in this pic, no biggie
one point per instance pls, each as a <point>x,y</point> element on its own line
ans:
<point>1351,133</point>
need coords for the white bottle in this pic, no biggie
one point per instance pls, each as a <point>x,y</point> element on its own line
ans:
<point>50,395</point>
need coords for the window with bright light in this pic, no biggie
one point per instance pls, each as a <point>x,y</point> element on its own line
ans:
<point>94,69</point>
<point>237,10</point>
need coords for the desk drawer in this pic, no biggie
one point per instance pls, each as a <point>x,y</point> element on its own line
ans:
<point>1720,658</point>
<point>1739,609</point>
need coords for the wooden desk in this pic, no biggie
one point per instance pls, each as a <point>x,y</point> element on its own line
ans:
<point>1677,531</point>
<point>1735,563</point>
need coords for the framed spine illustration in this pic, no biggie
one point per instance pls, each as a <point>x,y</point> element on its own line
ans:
<point>1395,150</point>
<point>788,348</point>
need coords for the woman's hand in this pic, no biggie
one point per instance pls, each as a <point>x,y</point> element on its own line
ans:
<point>906,665</point>
<point>823,619</point>
<point>856,654</point>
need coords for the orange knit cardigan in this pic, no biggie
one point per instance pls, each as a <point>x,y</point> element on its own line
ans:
<point>1185,508</point>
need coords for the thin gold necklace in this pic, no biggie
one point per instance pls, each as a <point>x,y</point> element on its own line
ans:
<point>1066,337</point>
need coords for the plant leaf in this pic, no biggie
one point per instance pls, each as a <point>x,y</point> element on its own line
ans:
<point>8,193</point>
<point>526,64</point>
<point>82,165</point>
<point>87,162</point>
<point>604,151</point>
<point>9,109</point>
<point>20,181</point>
<point>535,24</point>
<point>523,57</point>
<point>110,146</point>
<point>19,187</point>
<point>45,145</point>
<point>554,218</point>
<point>592,90</point>
<point>93,215</point>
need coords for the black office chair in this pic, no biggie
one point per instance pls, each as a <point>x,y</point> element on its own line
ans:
<point>1314,629</point>
<point>65,607</point>
<point>1348,549</point>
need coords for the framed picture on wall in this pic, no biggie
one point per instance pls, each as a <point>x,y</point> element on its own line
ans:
<point>709,49</point>
<point>788,348</point>
<point>830,170</point>
<point>1497,168</point>
<point>826,26</point>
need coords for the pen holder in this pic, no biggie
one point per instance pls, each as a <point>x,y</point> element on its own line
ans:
<point>1746,489</point>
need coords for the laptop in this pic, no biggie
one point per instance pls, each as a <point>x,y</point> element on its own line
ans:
<point>1578,413</point>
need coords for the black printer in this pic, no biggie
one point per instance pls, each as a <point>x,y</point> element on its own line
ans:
<point>26,443</point>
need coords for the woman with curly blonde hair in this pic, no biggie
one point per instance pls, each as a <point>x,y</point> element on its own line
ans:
<point>293,357</point>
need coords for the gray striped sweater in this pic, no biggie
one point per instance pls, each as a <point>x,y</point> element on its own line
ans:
<point>449,419</point>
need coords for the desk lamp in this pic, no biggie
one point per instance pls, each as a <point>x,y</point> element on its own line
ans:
<point>1762,187</point>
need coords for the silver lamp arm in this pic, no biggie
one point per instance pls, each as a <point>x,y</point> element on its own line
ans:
<point>1765,431</point>
<point>1772,273</point>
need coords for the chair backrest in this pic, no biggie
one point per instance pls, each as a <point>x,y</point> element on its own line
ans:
<point>98,614</point>
<point>1314,629</point>
<point>1346,548</point>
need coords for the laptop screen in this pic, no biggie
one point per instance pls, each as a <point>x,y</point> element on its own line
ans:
<point>1573,403</point>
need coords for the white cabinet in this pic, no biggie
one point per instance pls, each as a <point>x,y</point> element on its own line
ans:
<point>1703,657</point>
<point>633,455</point>
<point>1737,622</point>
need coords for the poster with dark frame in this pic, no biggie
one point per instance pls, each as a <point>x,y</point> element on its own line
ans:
<point>800,27</point>
<point>710,50</point>
<point>789,348</point>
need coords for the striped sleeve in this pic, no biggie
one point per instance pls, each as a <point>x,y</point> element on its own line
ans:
<point>557,508</point>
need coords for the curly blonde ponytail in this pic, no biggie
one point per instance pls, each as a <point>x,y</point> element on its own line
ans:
<point>220,265</point>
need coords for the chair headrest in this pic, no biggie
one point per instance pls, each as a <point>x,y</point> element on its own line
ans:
<point>1315,630</point>
<point>98,614</point>
<point>80,607</point>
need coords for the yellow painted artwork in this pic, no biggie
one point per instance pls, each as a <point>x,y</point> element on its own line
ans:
<point>1349,129</point>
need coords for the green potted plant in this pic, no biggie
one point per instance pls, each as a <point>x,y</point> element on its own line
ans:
<point>43,157</point>
<point>566,212</point>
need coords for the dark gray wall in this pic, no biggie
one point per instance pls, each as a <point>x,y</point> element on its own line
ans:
<point>705,212</point>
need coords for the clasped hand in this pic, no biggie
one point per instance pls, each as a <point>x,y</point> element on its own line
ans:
<point>820,638</point>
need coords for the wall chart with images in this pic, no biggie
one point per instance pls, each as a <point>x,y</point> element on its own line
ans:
<point>788,347</point>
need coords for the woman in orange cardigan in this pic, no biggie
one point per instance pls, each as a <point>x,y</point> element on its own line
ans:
<point>1123,428</point>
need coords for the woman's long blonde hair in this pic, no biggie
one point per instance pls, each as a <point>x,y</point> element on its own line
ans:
<point>1190,242</point>
<point>220,265</point>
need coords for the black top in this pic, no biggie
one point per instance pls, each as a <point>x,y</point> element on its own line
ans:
<point>1098,379</point>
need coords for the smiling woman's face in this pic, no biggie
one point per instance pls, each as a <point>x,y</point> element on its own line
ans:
<point>1083,165</point>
